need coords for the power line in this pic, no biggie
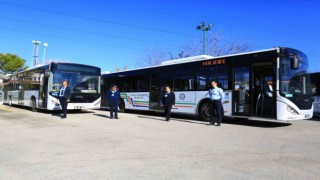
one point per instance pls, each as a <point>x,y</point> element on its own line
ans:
<point>88,18</point>
<point>114,22</point>
<point>71,39</point>
<point>95,19</point>
<point>81,31</point>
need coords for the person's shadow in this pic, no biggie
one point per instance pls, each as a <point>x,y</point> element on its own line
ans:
<point>56,113</point>
<point>102,115</point>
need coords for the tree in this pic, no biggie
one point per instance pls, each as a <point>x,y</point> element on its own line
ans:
<point>10,63</point>
<point>154,57</point>
<point>1,79</point>
<point>182,54</point>
<point>216,45</point>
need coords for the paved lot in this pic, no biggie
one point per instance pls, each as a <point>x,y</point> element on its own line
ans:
<point>88,145</point>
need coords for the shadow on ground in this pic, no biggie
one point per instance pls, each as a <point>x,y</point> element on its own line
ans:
<point>159,116</point>
<point>101,115</point>
<point>192,119</point>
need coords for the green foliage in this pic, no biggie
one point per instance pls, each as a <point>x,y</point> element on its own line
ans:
<point>10,63</point>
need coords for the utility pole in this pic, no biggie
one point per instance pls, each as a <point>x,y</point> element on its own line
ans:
<point>204,29</point>
<point>45,45</point>
<point>35,51</point>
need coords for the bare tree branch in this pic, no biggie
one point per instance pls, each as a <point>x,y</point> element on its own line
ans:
<point>154,57</point>
<point>216,45</point>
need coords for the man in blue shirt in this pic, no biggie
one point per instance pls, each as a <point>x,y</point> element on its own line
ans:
<point>216,96</point>
<point>64,98</point>
<point>113,96</point>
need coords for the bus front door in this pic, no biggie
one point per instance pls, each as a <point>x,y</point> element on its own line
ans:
<point>316,103</point>
<point>154,97</point>
<point>242,91</point>
<point>263,96</point>
<point>43,93</point>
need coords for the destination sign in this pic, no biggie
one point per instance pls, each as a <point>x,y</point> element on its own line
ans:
<point>213,62</point>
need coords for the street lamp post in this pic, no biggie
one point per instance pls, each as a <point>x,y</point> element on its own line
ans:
<point>35,51</point>
<point>45,45</point>
<point>204,29</point>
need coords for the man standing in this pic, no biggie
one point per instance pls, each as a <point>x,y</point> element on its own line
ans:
<point>168,100</point>
<point>113,96</point>
<point>64,97</point>
<point>216,96</point>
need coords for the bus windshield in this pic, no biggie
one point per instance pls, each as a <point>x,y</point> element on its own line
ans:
<point>294,82</point>
<point>80,82</point>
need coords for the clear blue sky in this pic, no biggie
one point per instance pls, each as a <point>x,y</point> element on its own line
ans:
<point>113,33</point>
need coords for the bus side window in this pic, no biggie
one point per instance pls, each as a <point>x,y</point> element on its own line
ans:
<point>183,82</point>
<point>218,73</point>
<point>143,84</point>
<point>318,89</point>
<point>126,85</point>
<point>133,87</point>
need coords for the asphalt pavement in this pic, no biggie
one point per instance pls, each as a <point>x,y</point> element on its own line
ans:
<point>89,145</point>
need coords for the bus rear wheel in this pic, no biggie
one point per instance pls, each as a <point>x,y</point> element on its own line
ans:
<point>33,105</point>
<point>205,111</point>
<point>121,106</point>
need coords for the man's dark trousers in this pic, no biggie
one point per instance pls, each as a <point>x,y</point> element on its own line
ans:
<point>167,111</point>
<point>113,104</point>
<point>64,105</point>
<point>216,112</point>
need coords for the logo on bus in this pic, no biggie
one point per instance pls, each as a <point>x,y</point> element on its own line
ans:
<point>182,96</point>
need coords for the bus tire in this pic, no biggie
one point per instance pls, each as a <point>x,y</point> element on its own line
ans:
<point>122,107</point>
<point>33,105</point>
<point>205,111</point>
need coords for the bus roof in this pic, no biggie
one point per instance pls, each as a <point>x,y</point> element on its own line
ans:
<point>317,73</point>
<point>195,59</point>
<point>187,59</point>
<point>43,65</point>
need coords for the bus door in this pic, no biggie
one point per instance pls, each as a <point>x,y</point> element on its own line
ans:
<point>155,96</point>
<point>43,93</point>
<point>263,94</point>
<point>316,105</point>
<point>242,91</point>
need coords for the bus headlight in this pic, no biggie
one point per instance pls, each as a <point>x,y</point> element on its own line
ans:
<point>293,111</point>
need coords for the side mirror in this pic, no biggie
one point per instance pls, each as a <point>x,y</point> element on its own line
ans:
<point>314,91</point>
<point>294,62</point>
<point>47,74</point>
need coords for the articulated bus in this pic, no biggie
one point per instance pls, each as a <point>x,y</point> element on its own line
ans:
<point>38,87</point>
<point>270,84</point>
<point>315,81</point>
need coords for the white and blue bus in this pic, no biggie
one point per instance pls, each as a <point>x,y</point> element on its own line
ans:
<point>270,84</point>
<point>38,86</point>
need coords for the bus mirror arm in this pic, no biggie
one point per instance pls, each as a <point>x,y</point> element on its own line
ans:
<point>294,62</point>
<point>47,74</point>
